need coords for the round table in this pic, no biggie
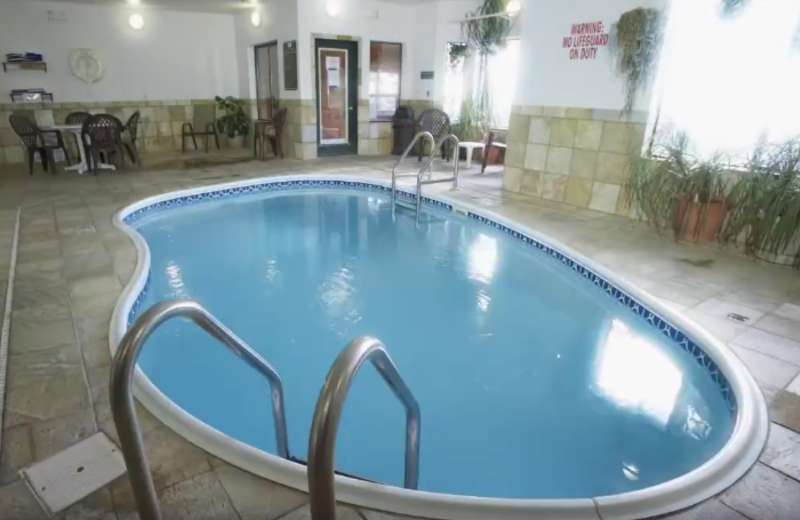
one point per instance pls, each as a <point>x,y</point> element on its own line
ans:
<point>470,147</point>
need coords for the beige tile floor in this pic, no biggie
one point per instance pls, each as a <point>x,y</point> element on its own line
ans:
<point>73,264</point>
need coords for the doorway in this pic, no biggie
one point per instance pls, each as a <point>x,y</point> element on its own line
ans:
<point>337,96</point>
<point>267,85</point>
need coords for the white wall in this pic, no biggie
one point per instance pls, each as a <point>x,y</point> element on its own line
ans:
<point>548,77</point>
<point>278,23</point>
<point>177,55</point>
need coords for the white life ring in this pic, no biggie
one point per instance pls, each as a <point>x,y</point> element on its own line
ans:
<point>86,66</point>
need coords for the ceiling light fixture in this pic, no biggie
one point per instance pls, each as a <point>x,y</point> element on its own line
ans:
<point>136,21</point>
<point>255,18</point>
<point>513,7</point>
<point>333,8</point>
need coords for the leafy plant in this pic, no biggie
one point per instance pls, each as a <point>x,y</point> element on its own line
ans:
<point>472,122</point>
<point>488,35</point>
<point>669,182</point>
<point>766,203</point>
<point>457,52</point>
<point>234,121</point>
<point>634,43</point>
<point>731,7</point>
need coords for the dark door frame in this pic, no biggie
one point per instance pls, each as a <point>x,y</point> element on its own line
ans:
<point>352,97</point>
<point>273,43</point>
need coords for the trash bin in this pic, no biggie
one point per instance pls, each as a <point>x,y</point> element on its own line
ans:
<point>402,129</point>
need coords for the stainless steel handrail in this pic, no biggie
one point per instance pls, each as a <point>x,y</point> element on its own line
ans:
<point>428,162</point>
<point>417,137</point>
<point>322,445</point>
<point>121,390</point>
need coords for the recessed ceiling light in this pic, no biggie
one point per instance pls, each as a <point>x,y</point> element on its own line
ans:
<point>136,21</point>
<point>513,7</point>
<point>333,8</point>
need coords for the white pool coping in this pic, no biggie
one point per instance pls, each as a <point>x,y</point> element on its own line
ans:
<point>726,467</point>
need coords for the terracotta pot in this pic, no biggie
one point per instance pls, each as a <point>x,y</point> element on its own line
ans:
<point>700,227</point>
<point>494,156</point>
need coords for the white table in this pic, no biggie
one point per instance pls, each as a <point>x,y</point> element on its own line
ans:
<point>470,147</point>
<point>83,166</point>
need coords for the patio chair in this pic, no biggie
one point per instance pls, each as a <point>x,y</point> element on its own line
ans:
<point>36,140</point>
<point>129,133</point>
<point>204,117</point>
<point>493,141</point>
<point>270,132</point>
<point>102,134</point>
<point>437,123</point>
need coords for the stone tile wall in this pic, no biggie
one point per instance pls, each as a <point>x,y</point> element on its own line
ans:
<point>160,129</point>
<point>580,156</point>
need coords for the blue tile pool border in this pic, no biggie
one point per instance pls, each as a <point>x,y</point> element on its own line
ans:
<point>653,319</point>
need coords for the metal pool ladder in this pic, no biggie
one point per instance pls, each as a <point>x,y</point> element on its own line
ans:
<point>434,148</point>
<point>121,390</point>
<point>322,444</point>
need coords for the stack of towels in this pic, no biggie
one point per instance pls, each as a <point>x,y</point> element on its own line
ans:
<point>28,57</point>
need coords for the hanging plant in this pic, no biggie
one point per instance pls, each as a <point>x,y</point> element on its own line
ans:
<point>488,34</point>
<point>731,7</point>
<point>457,52</point>
<point>634,43</point>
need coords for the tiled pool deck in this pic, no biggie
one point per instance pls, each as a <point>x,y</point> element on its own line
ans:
<point>72,265</point>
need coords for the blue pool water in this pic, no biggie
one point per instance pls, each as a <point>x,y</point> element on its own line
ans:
<point>532,382</point>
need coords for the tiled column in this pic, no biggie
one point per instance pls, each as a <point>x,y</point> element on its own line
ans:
<point>579,156</point>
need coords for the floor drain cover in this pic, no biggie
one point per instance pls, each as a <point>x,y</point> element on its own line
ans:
<point>737,317</point>
<point>87,230</point>
<point>76,472</point>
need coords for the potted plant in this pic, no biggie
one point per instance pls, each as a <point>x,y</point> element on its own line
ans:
<point>234,123</point>
<point>766,205</point>
<point>634,43</point>
<point>471,126</point>
<point>672,188</point>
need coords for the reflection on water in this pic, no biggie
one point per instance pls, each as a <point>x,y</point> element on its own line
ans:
<point>636,374</point>
<point>175,279</point>
<point>482,259</point>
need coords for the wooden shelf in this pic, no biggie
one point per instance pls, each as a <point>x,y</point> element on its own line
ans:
<point>24,65</point>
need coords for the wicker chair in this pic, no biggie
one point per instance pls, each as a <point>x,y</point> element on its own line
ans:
<point>205,117</point>
<point>36,140</point>
<point>438,124</point>
<point>102,134</point>
<point>270,131</point>
<point>129,133</point>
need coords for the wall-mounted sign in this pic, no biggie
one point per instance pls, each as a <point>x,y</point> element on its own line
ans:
<point>584,39</point>
<point>426,74</point>
<point>290,65</point>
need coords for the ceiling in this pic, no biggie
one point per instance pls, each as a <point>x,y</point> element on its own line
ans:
<point>206,6</point>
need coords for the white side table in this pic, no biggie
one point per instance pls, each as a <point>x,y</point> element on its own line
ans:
<point>83,166</point>
<point>470,147</point>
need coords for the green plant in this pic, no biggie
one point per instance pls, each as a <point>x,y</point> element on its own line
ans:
<point>457,52</point>
<point>766,203</point>
<point>732,7</point>
<point>234,121</point>
<point>472,122</point>
<point>668,182</point>
<point>488,34</point>
<point>634,43</point>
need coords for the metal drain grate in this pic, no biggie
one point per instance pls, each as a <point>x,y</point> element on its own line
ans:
<point>70,475</point>
<point>738,317</point>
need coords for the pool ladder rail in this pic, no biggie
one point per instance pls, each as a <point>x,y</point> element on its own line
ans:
<point>327,415</point>
<point>435,147</point>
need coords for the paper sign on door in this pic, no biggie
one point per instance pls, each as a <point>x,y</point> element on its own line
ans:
<point>332,63</point>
